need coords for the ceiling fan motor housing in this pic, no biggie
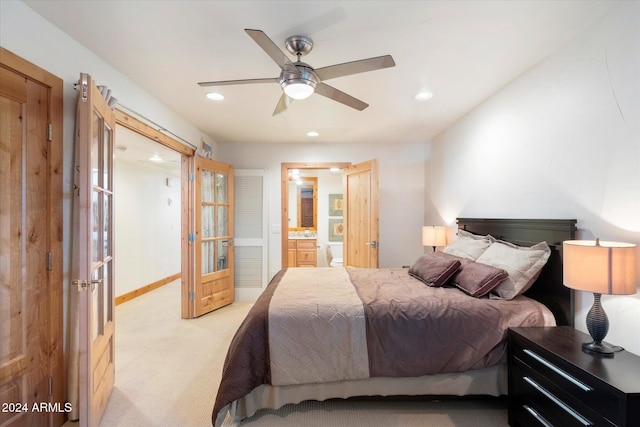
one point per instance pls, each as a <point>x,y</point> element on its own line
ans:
<point>299,45</point>
<point>306,76</point>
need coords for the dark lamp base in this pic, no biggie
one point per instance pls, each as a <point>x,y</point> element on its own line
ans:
<point>601,349</point>
<point>598,326</point>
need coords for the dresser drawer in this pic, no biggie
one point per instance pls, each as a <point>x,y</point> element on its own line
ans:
<point>306,244</point>
<point>302,253</point>
<point>570,381</point>
<point>545,401</point>
<point>306,256</point>
<point>553,382</point>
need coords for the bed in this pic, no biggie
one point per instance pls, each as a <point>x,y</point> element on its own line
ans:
<point>437,328</point>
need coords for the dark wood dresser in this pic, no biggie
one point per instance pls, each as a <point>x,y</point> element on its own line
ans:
<point>552,382</point>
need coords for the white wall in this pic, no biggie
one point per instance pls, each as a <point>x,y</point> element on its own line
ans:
<point>401,188</point>
<point>328,183</point>
<point>147,230</point>
<point>562,141</point>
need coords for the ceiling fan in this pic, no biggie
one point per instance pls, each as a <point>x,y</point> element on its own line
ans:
<point>299,80</point>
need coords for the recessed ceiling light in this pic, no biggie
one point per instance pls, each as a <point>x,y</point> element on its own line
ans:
<point>422,96</point>
<point>155,158</point>
<point>312,134</point>
<point>215,96</point>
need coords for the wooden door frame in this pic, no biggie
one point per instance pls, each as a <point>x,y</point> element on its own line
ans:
<point>141,128</point>
<point>55,237</point>
<point>284,197</point>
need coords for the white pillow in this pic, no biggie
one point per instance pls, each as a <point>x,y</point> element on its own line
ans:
<point>468,245</point>
<point>522,263</point>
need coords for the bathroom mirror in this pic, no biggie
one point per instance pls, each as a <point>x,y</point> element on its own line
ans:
<point>303,204</point>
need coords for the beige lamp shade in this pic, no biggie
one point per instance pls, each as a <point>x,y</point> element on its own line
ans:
<point>434,236</point>
<point>600,267</point>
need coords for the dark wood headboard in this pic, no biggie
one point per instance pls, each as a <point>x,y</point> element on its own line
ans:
<point>548,289</point>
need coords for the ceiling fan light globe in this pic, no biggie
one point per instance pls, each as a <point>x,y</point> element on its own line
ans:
<point>298,89</point>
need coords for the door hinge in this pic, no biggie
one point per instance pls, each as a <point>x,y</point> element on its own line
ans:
<point>84,88</point>
<point>192,296</point>
<point>49,261</point>
<point>192,237</point>
<point>49,132</point>
<point>50,386</point>
<point>81,284</point>
<point>192,176</point>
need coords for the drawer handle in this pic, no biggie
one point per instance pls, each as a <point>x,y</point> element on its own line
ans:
<point>558,402</point>
<point>558,371</point>
<point>537,416</point>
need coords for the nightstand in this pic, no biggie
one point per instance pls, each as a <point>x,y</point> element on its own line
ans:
<point>552,382</point>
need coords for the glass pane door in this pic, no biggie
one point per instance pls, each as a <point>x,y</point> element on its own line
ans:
<point>215,221</point>
<point>213,243</point>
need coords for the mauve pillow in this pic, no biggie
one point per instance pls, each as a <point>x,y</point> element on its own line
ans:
<point>468,245</point>
<point>477,279</point>
<point>522,263</point>
<point>434,269</point>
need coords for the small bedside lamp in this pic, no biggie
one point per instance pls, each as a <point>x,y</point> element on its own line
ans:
<point>601,268</point>
<point>434,236</point>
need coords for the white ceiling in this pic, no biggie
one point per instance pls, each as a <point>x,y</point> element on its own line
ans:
<point>461,51</point>
<point>134,148</point>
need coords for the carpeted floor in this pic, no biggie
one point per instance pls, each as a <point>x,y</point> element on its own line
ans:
<point>478,412</point>
<point>168,371</point>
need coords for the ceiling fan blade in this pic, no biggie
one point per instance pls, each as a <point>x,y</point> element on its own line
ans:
<point>354,67</point>
<point>272,50</point>
<point>283,104</point>
<point>238,82</point>
<point>333,93</point>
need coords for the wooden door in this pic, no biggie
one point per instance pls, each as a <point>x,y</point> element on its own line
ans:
<point>306,213</point>
<point>361,215</point>
<point>31,379</point>
<point>212,236</point>
<point>93,262</point>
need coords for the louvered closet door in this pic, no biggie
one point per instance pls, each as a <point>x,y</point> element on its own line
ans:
<point>250,232</point>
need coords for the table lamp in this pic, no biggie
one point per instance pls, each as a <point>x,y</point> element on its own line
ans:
<point>434,236</point>
<point>601,268</point>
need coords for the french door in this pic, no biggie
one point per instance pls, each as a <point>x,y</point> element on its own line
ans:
<point>93,261</point>
<point>211,252</point>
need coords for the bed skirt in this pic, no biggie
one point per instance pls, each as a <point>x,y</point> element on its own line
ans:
<point>491,381</point>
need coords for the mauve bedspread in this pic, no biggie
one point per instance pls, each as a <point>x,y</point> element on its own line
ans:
<point>406,329</point>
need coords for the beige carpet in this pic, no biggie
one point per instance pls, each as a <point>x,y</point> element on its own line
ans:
<point>168,371</point>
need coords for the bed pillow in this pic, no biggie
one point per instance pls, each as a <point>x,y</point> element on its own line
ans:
<point>434,269</point>
<point>522,263</point>
<point>477,279</point>
<point>468,245</point>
